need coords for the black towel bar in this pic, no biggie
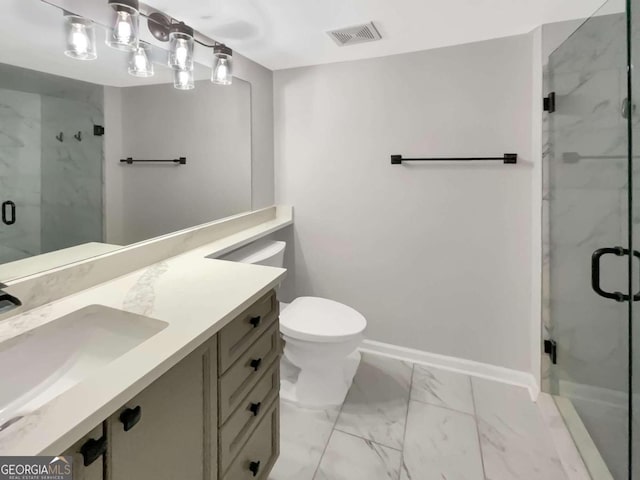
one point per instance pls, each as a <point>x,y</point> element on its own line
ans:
<point>507,158</point>
<point>178,161</point>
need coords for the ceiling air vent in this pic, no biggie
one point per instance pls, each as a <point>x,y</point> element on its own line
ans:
<point>357,34</point>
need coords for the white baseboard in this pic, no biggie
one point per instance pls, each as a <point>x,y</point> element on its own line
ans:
<point>460,365</point>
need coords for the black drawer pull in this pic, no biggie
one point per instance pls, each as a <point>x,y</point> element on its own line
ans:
<point>255,364</point>
<point>255,408</point>
<point>255,321</point>
<point>93,449</point>
<point>130,417</point>
<point>254,467</point>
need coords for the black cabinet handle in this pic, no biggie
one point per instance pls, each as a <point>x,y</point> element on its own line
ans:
<point>130,417</point>
<point>8,212</point>
<point>254,467</point>
<point>255,321</point>
<point>255,408</point>
<point>255,364</point>
<point>93,449</point>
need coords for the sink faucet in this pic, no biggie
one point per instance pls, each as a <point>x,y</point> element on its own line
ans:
<point>8,301</point>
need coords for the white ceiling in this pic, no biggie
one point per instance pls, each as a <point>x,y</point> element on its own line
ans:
<point>279,33</point>
<point>291,33</point>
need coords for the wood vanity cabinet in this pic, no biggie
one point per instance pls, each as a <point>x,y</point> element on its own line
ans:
<point>93,445</point>
<point>158,435</point>
<point>213,416</point>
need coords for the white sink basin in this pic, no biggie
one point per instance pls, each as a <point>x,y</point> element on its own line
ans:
<point>39,365</point>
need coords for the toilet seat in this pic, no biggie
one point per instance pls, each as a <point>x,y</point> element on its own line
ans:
<point>318,319</point>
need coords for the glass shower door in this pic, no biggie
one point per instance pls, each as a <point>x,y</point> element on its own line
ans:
<point>587,239</point>
<point>20,176</point>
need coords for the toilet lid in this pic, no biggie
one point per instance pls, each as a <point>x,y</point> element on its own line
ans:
<point>320,320</point>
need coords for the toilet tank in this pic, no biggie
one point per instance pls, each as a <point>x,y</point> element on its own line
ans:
<point>261,252</point>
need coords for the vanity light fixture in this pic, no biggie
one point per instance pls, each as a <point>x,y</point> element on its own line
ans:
<point>123,34</point>
<point>183,79</point>
<point>81,37</point>
<point>181,44</point>
<point>140,62</point>
<point>222,72</point>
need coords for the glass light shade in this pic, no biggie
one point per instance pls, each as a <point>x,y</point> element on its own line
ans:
<point>140,62</point>
<point>222,73</point>
<point>123,35</point>
<point>181,51</point>
<point>81,38</point>
<point>183,79</point>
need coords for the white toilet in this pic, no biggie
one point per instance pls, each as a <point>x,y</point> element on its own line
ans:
<point>321,338</point>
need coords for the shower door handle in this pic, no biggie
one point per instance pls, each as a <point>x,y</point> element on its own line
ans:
<point>595,272</point>
<point>8,212</point>
<point>636,297</point>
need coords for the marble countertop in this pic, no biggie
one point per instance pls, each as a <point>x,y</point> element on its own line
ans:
<point>195,295</point>
<point>45,261</point>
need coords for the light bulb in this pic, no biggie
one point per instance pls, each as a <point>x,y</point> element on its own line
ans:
<point>222,73</point>
<point>123,34</point>
<point>140,64</point>
<point>182,54</point>
<point>81,38</point>
<point>181,45</point>
<point>183,79</point>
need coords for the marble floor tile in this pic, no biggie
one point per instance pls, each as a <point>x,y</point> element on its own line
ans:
<point>515,441</point>
<point>441,444</point>
<point>376,406</point>
<point>303,437</point>
<point>353,458</point>
<point>442,388</point>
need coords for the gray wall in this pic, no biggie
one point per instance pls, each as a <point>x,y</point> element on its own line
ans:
<point>262,141</point>
<point>438,256</point>
<point>260,186</point>
<point>211,126</point>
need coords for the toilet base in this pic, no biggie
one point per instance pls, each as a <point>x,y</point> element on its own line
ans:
<point>318,388</point>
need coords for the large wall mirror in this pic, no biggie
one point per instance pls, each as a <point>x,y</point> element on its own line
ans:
<point>65,126</point>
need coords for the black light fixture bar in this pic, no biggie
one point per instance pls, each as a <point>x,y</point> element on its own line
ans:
<point>507,158</point>
<point>177,161</point>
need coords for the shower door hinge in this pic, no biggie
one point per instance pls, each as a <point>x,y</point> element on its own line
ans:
<point>98,130</point>
<point>549,103</point>
<point>551,349</point>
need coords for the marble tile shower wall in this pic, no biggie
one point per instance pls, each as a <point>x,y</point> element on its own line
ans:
<point>20,147</point>
<point>585,207</point>
<point>57,186</point>
<point>72,174</point>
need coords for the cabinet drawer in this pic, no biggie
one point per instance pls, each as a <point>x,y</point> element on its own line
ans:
<point>235,338</point>
<point>259,454</point>
<point>251,411</point>
<point>238,381</point>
